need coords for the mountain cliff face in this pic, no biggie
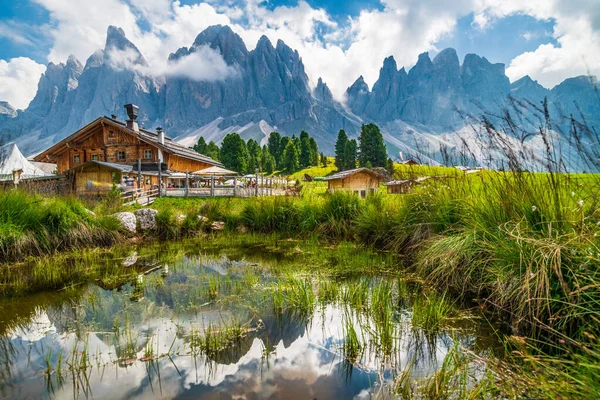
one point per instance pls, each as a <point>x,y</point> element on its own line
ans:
<point>268,89</point>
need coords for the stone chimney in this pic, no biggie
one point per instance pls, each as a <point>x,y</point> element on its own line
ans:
<point>132,114</point>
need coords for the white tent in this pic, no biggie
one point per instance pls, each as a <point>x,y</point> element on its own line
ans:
<point>11,160</point>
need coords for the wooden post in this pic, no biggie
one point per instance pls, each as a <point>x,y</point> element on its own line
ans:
<point>187,183</point>
<point>256,186</point>
<point>139,168</point>
<point>159,178</point>
<point>235,186</point>
<point>212,185</point>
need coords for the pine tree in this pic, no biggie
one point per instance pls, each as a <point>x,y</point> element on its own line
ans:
<point>350,154</point>
<point>201,146</point>
<point>340,150</point>
<point>314,152</point>
<point>254,154</point>
<point>234,153</point>
<point>283,142</point>
<point>290,158</point>
<point>390,166</point>
<point>267,161</point>
<point>273,145</point>
<point>305,150</point>
<point>212,151</point>
<point>372,151</point>
<point>323,160</point>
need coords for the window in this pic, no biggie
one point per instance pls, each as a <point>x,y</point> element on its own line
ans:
<point>148,154</point>
<point>94,157</point>
<point>76,159</point>
<point>363,194</point>
<point>120,155</point>
<point>111,134</point>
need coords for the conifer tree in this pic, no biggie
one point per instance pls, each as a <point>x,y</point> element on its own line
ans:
<point>234,153</point>
<point>372,151</point>
<point>350,154</point>
<point>290,158</point>
<point>340,150</point>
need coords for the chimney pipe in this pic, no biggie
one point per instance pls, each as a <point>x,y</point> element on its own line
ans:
<point>161,140</point>
<point>161,135</point>
<point>132,114</point>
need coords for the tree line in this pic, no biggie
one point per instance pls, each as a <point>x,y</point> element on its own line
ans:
<point>281,153</point>
<point>368,152</point>
<point>291,154</point>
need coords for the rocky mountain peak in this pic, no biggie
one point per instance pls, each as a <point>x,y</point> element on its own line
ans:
<point>7,109</point>
<point>116,41</point>
<point>322,92</point>
<point>447,57</point>
<point>221,38</point>
<point>264,44</point>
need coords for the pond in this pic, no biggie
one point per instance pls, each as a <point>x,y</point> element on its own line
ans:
<point>268,319</point>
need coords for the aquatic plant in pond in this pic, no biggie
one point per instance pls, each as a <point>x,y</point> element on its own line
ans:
<point>239,319</point>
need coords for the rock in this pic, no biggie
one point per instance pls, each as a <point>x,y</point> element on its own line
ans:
<point>90,212</point>
<point>127,221</point>
<point>202,218</point>
<point>217,226</point>
<point>146,218</point>
<point>181,218</point>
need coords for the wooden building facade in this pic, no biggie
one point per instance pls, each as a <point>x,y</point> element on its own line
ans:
<point>362,181</point>
<point>108,141</point>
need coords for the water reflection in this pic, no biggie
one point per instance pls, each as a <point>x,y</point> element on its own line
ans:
<point>147,337</point>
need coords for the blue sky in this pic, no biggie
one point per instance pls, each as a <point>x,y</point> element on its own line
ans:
<point>547,40</point>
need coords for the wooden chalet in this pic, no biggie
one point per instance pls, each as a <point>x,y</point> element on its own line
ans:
<point>108,151</point>
<point>363,181</point>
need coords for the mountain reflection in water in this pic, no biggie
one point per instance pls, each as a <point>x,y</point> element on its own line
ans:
<point>137,341</point>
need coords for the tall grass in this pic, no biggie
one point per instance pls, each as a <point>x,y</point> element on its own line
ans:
<point>33,225</point>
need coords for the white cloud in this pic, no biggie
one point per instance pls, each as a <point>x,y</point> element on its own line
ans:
<point>205,64</point>
<point>18,80</point>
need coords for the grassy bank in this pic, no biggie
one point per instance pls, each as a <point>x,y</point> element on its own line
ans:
<point>36,226</point>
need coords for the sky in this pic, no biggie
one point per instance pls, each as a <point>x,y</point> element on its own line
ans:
<point>549,40</point>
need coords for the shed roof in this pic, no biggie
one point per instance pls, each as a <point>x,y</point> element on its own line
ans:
<point>122,168</point>
<point>350,172</point>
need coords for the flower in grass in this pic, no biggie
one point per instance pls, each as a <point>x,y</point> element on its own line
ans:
<point>580,203</point>
<point>533,208</point>
<point>598,223</point>
<point>572,194</point>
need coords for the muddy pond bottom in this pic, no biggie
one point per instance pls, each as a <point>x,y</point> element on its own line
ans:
<point>291,320</point>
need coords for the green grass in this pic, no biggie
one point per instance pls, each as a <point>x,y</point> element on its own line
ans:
<point>34,225</point>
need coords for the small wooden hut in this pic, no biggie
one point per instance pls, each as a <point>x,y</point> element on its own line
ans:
<point>403,186</point>
<point>362,181</point>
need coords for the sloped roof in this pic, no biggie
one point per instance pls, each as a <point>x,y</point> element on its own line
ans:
<point>350,172</point>
<point>144,135</point>
<point>11,160</point>
<point>123,168</point>
<point>169,145</point>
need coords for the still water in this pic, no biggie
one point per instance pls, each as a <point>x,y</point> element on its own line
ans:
<point>292,321</point>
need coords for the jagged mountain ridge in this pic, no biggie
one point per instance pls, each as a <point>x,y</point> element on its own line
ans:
<point>270,91</point>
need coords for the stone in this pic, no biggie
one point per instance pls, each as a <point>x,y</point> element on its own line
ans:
<point>217,226</point>
<point>202,218</point>
<point>127,220</point>
<point>146,218</point>
<point>181,218</point>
